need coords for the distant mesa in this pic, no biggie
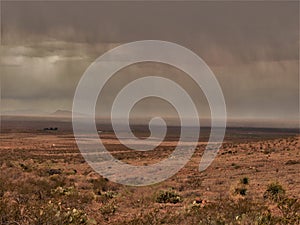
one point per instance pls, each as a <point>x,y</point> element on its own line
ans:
<point>65,113</point>
<point>62,113</point>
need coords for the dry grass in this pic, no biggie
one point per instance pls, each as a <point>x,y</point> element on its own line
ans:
<point>246,184</point>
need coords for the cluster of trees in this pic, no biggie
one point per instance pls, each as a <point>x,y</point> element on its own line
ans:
<point>50,128</point>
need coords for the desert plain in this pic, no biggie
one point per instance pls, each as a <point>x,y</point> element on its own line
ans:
<point>45,180</point>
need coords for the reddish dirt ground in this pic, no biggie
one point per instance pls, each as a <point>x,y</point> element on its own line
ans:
<point>262,156</point>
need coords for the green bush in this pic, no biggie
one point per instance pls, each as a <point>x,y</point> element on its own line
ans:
<point>168,197</point>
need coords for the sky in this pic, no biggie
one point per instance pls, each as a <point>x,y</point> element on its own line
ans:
<point>252,48</point>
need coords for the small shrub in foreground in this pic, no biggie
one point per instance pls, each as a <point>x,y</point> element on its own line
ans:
<point>241,191</point>
<point>274,192</point>
<point>168,197</point>
<point>245,180</point>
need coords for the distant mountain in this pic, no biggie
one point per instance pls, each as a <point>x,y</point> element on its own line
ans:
<point>62,113</point>
<point>65,113</point>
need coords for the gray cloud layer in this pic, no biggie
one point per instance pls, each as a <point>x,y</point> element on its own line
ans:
<point>252,47</point>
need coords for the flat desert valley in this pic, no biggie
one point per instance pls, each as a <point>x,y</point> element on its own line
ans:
<point>45,180</point>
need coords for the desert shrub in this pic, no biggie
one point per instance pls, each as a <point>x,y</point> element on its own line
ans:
<point>241,191</point>
<point>53,171</point>
<point>72,198</point>
<point>104,197</point>
<point>290,209</point>
<point>108,210</point>
<point>245,180</point>
<point>58,180</point>
<point>99,185</point>
<point>274,192</point>
<point>63,191</point>
<point>55,213</point>
<point>25,168</point>
<point>168,197</point>
<point>75,216</point>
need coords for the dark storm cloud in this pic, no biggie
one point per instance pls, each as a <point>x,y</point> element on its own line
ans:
<point>246,30</point>
<point>251,46</point>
